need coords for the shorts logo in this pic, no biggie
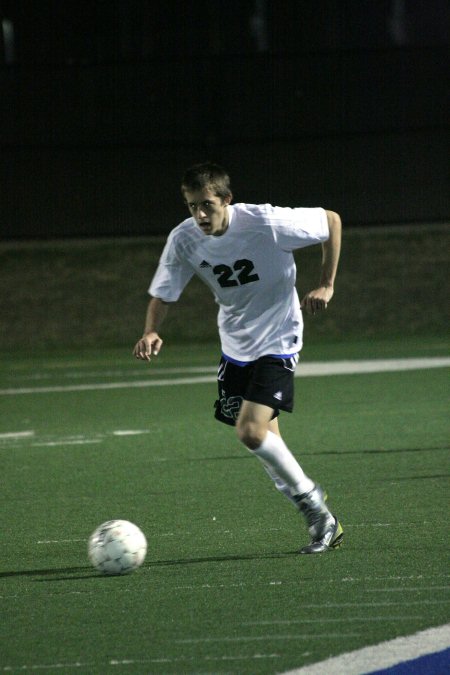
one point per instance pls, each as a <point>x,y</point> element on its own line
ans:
<point>278,395</point>
<point>221,371</point>
<point>231,406</point>
<point>291,362</point>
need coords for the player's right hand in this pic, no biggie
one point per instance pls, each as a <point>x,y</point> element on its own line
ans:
<point>149,345</point>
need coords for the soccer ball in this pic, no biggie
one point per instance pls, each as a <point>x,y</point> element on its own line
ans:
<point>117,547</point>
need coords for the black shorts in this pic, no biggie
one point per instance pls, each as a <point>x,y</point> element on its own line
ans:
<point>269,381</point>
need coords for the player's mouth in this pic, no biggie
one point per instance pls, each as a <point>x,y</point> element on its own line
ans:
<point>205,226</point>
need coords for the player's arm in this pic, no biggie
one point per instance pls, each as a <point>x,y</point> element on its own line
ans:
<point>319,298</point>
<point>150,343</point>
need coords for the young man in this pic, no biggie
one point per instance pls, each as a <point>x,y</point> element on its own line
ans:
<point>244,253</point>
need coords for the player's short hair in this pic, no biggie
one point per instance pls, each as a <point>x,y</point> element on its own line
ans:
<point>207,175</point>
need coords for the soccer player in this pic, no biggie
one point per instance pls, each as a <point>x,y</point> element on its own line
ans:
<point>244,253</point>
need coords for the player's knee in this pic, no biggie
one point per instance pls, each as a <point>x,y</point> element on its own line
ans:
<point>250,434</point>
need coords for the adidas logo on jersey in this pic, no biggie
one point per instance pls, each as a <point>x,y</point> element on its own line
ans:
<point>278,395</point>
<point>205,263</point>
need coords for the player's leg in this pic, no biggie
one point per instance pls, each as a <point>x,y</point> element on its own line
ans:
<point>303,503</point>
<point>245,400</point>
<point>280,485</point>
<point>254,428</point>
<point>260,434</point>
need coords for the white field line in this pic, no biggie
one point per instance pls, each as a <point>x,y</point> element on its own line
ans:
<point>135,662</point>
<point>118,372</point>
<point>138,384</point>
<point>318,369</point>
<point>297,583</point>
<point>382,656</point>
<point>51,444</point>
<point>130,432</point>
<point>13,435</point>
<point>288,622</point>
<point>324,606</point>
<point>403,590</point>
<point>232,657</point>
<point>352,580</point>
<point>312,369</point>
<point>263,638</point>
<point>47,666</point>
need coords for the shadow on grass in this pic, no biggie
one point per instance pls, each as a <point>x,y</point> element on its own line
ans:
<point>68,571</point>
<point>77,573</point>
<point>375,451</point>
<point>221,558</point>
<point>313,453</point>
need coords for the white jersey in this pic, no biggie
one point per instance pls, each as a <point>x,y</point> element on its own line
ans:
<point>251,272</point>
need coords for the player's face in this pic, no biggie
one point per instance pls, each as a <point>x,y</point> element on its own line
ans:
<point>209,211</point>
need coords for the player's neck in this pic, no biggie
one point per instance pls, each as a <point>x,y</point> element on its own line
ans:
<point>225,224</point>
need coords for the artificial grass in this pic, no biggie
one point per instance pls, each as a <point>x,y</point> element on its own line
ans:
<point>223,588</point>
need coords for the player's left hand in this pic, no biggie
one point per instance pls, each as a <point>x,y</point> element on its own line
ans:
<point>317,300</point>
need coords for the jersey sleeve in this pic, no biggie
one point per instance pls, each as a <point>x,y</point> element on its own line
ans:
<point>172,274</point>
<point>299,227</point>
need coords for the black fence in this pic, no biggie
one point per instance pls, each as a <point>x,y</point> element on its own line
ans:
<point>97,146</point>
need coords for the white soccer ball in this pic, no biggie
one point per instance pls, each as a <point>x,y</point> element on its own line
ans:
<point>117,547</point>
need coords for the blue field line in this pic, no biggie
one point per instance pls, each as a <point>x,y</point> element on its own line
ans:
<point>430,664</point>
<point>426,652</point>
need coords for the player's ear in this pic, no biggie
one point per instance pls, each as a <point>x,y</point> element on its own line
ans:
<point>228,199</point>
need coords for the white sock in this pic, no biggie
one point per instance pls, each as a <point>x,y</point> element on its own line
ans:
<point>280,485</point>
<point>274,453</point>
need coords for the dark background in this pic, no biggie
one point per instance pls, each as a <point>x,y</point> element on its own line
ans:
<point>335,103</point>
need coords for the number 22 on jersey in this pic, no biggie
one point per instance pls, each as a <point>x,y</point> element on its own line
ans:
<point>241,273</point>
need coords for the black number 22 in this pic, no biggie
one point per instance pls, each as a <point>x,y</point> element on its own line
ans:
<point>243,268</point>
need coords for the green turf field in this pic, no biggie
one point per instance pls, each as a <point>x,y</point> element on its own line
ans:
<point>222,589</point>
